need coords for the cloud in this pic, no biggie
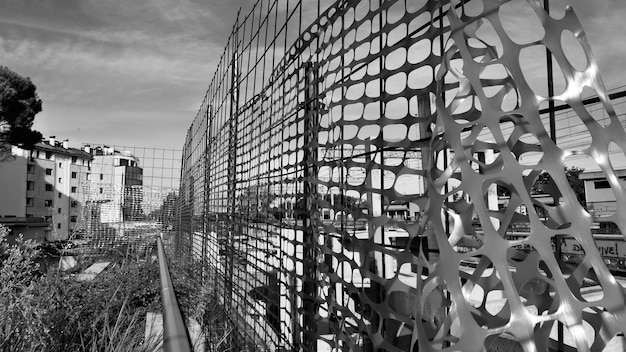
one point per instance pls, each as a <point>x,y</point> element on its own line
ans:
<point>111,83</point>
<point>96,67</point>
<point>603,25</point>
<point>147,63</point>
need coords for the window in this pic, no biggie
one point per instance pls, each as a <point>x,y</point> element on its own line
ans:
<point>101,177</point>
<point>30,185</point>
<point>30,168</point>
<point>101,191</point>
<point>73,189</point>
<point>60,195</point>
<point>48,155</point>
<point>60,179</point>
<point>88,177</point>
<point>601,184</point>
<point>49,187</point>
<point>73,218</point>
<point>123,162</point>
<point>74,174</point>
<point>48,171</point>
<point>48,203</point>
<point>74,204</point>
<point>30,202</point>
<point>58,225</point>
<point>74,159</point>
<point>47,218</point>
<point>59,210</point>
<point>60,165</point>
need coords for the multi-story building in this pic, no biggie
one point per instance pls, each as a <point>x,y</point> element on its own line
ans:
<point>44,182</point>
<point>600,198</point>
<point>116,184</point>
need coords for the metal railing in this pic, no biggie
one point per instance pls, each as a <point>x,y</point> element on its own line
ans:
<point>175,334</point>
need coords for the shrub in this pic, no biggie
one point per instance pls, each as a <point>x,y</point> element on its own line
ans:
<point>58,313</point>
<point>106,314</point>
<point>22,326</point>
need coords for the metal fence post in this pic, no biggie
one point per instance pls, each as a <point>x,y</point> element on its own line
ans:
<point>232,176</point>
<point>310,189</point>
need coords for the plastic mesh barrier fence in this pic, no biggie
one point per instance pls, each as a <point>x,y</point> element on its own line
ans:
<point>340,180</point>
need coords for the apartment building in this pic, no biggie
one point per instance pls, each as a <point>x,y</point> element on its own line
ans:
<point>116,184</point>
<point>44,183</point>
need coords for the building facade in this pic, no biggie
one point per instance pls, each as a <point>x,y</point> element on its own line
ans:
<point>600,198</point>
<point>116,184</point>
<point>44,183</point>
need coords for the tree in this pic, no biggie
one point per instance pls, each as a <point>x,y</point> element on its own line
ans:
<point>544,181</point>
<point>545,185</point>
<point>19,103</point>
<point>578,185</point>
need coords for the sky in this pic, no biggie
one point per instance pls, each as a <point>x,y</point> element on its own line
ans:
<point>123,72</point>
<point>116,72</point>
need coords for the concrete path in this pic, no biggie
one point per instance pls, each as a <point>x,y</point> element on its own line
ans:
<point>67,262</point>
<point>91,272</point>
<point>154,332</point>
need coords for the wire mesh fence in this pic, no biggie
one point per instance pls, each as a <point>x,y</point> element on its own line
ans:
<point>125,198</point>
<point>339,182</point>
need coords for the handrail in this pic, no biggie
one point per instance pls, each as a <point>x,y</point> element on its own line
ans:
<point>175,335</point>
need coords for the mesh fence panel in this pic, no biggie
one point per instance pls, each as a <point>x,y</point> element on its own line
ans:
<point>339,181</point>
<point>128,197</point>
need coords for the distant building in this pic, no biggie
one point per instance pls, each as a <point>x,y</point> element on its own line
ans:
<point>116,184</point>
<point>599,196</point>
<point>44,183</point>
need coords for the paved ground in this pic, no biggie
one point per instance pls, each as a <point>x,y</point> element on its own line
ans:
<point>91,272</point>
<point>154,331</point>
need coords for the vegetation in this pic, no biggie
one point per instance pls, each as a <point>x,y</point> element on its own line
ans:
<point>545,185</point>
<point>55,312</point>
<point>22,325</point>
<point>19,103</point>
<point>49,312</point>
<point>578,185</point>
